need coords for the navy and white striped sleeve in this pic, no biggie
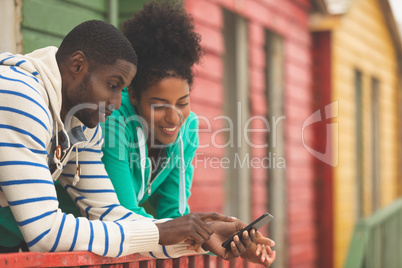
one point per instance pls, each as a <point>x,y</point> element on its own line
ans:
<point>28,189</point>
<point>26,127</point>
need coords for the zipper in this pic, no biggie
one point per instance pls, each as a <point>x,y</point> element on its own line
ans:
<point>150,173</point>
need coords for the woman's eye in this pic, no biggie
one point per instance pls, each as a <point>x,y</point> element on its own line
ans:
<point>158,106</point>
<point>182,105</point>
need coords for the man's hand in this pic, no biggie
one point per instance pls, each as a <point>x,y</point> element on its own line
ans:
<point>192,227</point>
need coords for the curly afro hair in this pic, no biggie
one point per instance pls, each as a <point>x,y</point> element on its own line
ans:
<point>163,37</point>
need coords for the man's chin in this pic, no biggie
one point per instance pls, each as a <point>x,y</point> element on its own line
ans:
<point>90,123</point>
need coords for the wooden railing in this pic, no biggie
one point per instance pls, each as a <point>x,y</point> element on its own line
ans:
<point>377,240</point>
<point>88,259</point>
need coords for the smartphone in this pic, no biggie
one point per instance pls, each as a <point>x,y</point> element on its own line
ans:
<point>257,224</point>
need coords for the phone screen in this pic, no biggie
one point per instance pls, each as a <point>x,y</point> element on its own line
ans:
<point>257,224</point>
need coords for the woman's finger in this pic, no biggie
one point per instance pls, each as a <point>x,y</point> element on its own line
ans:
<point>264,254</point>
<point>234,249</point>
<point>253,235</point>
<point>246,240</point>
<point>265,241</point>
<point>258,250</point>
<point>239,244</point>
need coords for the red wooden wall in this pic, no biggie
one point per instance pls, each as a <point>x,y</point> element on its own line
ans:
<point>289,19</point>
<point>321,52</point>
<point>207,100</point>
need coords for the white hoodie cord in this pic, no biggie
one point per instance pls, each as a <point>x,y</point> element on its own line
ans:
<point>141,141</point>
<point>78,171</point>
<point>57,151</point>
<point>182,172</point>
<point>182,180</point>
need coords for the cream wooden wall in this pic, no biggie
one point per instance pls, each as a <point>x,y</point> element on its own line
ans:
<point>362,41</point>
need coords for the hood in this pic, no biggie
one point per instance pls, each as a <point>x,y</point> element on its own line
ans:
<point>43,65</point>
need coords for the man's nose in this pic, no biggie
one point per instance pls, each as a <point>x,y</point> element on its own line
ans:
<point>115,102</point>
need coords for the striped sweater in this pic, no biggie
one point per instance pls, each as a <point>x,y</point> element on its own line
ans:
<point>30,104</point>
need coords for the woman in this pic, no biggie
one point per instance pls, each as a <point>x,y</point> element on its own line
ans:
<point>151,140</point>
<point>149,143</point>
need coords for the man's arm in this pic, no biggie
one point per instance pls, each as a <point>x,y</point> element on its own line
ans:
<point>26,125</point>
<point>95,196</point>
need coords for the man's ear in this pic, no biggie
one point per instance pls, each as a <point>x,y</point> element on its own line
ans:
<point>78,64</point>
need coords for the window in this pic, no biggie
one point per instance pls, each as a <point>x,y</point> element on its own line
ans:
<point>237,182</point>
<point>276,144</point>
<point>375,130</point>
<point>359,144</point>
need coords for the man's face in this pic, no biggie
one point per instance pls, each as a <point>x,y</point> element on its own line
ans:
<point>93,97</point>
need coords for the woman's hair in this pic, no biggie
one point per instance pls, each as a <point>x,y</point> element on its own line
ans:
<point>163,37</point>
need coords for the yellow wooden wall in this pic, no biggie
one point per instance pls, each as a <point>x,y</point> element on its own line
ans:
<point>362,41</point>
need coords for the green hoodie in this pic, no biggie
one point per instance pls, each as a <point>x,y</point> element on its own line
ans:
<point>121,156</point>
<point>123,150</point>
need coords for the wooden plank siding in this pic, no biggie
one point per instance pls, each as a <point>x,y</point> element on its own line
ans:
<point>323,172</point>
<point>45,22</point>
<point>288,19</point>
<point>361,41</point>
<point>207,102</point>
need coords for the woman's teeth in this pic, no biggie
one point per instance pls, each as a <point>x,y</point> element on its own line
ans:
<point>169,129</point>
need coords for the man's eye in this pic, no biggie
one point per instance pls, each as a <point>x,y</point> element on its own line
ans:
<point>112,87</point>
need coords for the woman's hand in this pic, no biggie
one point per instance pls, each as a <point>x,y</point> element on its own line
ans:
<point>223,231</point>
<point>260,251</point>
<point>253,247</point>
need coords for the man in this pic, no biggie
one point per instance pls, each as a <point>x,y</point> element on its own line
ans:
<point>51,102</point>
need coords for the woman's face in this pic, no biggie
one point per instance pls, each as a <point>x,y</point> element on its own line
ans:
<point>165,107</point>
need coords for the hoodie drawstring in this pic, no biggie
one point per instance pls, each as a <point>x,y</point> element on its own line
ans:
<point>78,170</point>
<point>57,158</point>
<point>182,180</point>
<point>57,151</point>
<point>182,172</point>
<point>141,141</point>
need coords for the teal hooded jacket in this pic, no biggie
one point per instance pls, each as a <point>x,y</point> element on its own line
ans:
<point>122,153</point>
<point>125,156</point>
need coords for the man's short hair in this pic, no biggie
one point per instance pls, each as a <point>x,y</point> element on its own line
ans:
<point>101,42</point>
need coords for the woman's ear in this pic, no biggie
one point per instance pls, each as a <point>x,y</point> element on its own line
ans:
<point>131,95</point>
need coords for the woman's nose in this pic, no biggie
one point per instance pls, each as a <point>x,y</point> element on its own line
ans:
<point>173,115</point>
